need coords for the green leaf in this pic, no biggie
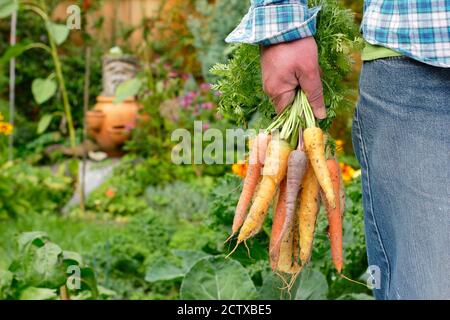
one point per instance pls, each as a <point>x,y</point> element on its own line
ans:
<point>312,285</point>
<point>7,7</point>
<point>127,89</point>
<point>6,278</point>
<point>89,281</point>
<point>105,292</point>
<point>13,51</point>
<point>33,293</point>
<point>43,89</point>
<point>217,278</point>
<point>271,288</point>
<point>48,267</point>
<point>163,270</point>
<point>37,238</point>
<point>356,296</point>
<point>189,258</point>
<point>72,258</point>
<point>59,32</point>
<point>44,123</point>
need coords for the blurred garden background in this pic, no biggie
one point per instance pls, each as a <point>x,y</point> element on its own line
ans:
<point>109,200</point>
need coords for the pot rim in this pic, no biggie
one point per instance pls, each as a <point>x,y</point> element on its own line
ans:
<point>111,99</point>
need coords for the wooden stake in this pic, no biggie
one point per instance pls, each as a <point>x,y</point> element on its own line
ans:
<point>12,85</point>
<point>87,76</point>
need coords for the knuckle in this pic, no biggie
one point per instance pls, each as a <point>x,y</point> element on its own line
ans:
<point>315,94</point>
<point>310,69</point>
<point>270,88</point>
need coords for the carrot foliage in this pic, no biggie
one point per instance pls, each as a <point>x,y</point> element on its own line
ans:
<point>239,81</point>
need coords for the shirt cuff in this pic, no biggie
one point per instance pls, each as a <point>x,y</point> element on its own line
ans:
<point>275,21</point>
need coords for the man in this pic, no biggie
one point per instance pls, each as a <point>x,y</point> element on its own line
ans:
<point>401,127</point>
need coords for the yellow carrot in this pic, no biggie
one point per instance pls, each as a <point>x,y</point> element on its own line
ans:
<point>307,213</point>
<point>315,149</point>
<point>273,173</point>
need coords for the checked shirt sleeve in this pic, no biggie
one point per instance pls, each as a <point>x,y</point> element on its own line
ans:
<point>275,21</point>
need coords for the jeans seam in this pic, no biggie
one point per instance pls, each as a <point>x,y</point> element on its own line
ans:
<point>363,153</point>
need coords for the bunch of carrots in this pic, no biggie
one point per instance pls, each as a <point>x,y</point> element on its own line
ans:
<point>290,164</point>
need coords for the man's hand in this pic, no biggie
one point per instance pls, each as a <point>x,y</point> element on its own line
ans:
<point>285,67</point>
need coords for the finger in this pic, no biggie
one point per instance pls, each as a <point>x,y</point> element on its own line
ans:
<point>283,100</point>
<point>312,86</point>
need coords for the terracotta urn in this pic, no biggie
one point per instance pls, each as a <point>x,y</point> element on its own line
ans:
<point>110,124</point>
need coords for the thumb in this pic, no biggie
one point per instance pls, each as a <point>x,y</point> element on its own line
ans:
<point>283,100</point>
<point>312,86</point>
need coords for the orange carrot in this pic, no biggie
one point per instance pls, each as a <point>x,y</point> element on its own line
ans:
<point>334,217</point>
<point>315,148</point>
<point>257,152</point>
<point>307,213</point>
<point>341,194</point>
<point>274,171</point>
<point>277,225</point>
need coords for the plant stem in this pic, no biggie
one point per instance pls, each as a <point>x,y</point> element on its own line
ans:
<point>60,77</point>
<point>309,115</point>
<point>41,11</point>
<point>62,85</point>
<point>64,293</point>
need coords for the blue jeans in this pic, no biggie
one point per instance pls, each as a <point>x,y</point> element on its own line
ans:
<point>401,136</point>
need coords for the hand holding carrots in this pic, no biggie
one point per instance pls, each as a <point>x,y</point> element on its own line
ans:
<point>300,177</point>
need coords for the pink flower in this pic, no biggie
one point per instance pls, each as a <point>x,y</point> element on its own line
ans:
<point>185,76</point>
<point>217,93</point>
<point>186,101</point>
<point>193,94</point>
<point>205,87</point>
<point>173,74</point>
<point>207,106</point>
<point>205,126</point>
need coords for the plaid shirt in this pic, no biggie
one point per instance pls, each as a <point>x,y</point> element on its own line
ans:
<point>419,29</point>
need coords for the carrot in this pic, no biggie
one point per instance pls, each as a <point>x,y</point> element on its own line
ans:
<point>334,217</point>
<point>296,169</point>
<point>277,225</point>
<point>274,171</point>
<point>315,148</point>
<point>256,159</point>
<point>307,213</point>
<point>289,245</point>
<point>296,240</point>
<point>342,194</point>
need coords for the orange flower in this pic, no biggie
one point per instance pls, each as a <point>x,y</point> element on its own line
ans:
<point>240,169</point>
<point>339,145</point>
<point>110,193</point>
<point>348,173</point>
<point>6,128</point>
